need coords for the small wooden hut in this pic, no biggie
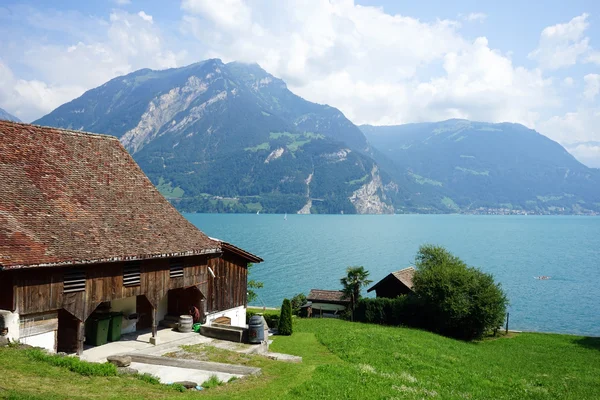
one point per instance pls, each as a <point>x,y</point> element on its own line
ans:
<point>395,284</point>
<point>327,303</point>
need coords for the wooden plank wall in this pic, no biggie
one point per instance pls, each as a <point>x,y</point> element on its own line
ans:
<point>41,289</point>
<point>228,288</point>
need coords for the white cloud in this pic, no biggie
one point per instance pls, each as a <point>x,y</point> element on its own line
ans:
<point>122,2</point>
<point>63,72</point>
<point>580,126</point>
<point>594,57</point>
<point>562,45</point>
<point>568,81</point>
<point>145,17</point>
<point>592,86</point>
<point>475,16</point>
<point>375,67</point>
<point>587,153</point>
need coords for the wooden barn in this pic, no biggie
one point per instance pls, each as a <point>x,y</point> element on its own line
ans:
<point>395,284</point>
<point>327,303</point>
<point>82,227</point>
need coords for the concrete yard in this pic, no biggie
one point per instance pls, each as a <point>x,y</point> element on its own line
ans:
<point>139,342</point>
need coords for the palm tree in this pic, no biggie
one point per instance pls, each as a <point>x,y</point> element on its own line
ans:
<point>355,279</point>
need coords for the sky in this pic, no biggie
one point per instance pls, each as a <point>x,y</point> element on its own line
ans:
<point>381,62</point>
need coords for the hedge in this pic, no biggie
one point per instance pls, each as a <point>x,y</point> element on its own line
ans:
<point>403,310</point>
<point>271,319</point>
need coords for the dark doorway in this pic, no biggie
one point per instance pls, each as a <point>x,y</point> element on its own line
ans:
<point>66,340</point>
<point>144,312</point>
<point>180,301</point>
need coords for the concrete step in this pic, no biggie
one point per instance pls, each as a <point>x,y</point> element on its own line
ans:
<point>193,364</point>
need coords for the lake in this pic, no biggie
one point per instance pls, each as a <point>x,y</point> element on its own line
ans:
<point>313,251</point>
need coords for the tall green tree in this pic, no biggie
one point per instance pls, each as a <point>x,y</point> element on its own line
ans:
<point>252,284</point>
<point>458,300</point>
<point>285,319</point>
<point>356,278</point>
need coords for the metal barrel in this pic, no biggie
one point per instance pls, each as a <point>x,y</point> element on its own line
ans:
<point>256,330</point>
<point>185,323</point>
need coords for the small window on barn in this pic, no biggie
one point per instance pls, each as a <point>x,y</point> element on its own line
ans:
<point>176,267</point>
<point>74,280</point>
<point>131,273</point>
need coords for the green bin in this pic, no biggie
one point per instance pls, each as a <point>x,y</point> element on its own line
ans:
<point>96,329</point>
<point>114,328</point>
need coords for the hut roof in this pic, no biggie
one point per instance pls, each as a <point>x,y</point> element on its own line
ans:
<point>70,197</point>
<point>327,296</point>
<point>404,276</point>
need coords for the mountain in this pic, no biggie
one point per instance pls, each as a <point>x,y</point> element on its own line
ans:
<point>467,166</point>
<point>8,117</point>
<point>231,137</point>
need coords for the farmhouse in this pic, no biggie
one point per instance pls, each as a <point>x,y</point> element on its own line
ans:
<point>395,284</point>
<point>326,302</point>
<point>82,228</point>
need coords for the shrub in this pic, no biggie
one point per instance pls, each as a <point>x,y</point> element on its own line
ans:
<point>403,310</point>
<point>72,363</point>
<point>297,302</point>
<point>285,320</point>
<point>212,382</point>
<point>271,319</point>
<point>178,387</point>
<point>148,378</point>
<point>457,300</point>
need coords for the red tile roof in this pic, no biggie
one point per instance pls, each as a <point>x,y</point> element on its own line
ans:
<point>68,197</point>
<point>327,296</point>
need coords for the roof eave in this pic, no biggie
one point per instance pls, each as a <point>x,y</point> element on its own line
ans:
<point>190,253</point>
<point>240,252</point>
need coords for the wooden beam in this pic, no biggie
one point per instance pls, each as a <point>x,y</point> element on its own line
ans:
<point>154,322</point>
<point>37,327</point>
<point>80,337</point>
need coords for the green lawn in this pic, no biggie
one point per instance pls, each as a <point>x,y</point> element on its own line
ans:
<point>344,360</point>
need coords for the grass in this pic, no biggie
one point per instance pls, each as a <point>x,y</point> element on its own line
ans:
<point>421,180</point>
<point>167,190</point>
<point>449,203</point>
<point>473,172</point>
<point>344,360</point>
<point>262,146</point>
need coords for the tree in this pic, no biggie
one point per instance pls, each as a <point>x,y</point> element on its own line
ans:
<point>285,319</point>
<point>458,300</point>
<point>252,284</point>
<point>297,302</point>
<point>355,279</point>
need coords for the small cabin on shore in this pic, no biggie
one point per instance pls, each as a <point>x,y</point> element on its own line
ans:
<point>82,229</point>
<point>327,303</point>
<point>395,284</point>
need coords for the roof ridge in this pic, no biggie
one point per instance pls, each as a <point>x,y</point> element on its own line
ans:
<point>63,130</point>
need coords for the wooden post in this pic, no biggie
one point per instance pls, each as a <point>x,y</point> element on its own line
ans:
<point>507,316</point>
<point>321,311</point>
<point>154,322</point>
<point>80,337</point>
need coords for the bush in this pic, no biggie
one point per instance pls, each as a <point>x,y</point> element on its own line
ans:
<point>285,320</point>
<point>72,363</point>
<point>271,319</point>
<point>457,300</point>
<point>403,310</point>
<point>212,382</point>
<point>297,302</point>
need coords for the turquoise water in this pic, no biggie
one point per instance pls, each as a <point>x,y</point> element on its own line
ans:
<point>312,251</point>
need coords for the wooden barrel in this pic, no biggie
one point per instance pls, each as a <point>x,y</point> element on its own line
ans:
<point>185,323</point>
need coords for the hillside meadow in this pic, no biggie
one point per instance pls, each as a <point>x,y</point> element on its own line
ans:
<point>345,360</point>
